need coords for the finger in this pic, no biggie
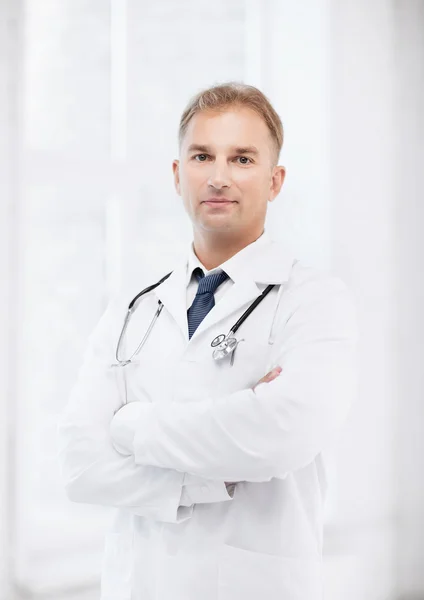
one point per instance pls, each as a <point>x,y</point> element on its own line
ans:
<point>266,379</point>
<point>269,376</point>
<point>274,373</point>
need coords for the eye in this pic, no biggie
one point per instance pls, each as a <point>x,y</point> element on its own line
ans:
<point>244,158</point>
<point>197,156</point>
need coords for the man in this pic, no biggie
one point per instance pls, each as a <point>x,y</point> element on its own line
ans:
<point>216,467</point>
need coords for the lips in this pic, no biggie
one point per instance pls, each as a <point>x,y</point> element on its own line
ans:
<point>218,205</point>
<point>218,201</point>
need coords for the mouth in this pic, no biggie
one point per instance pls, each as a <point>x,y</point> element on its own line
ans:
<point>219,203</point>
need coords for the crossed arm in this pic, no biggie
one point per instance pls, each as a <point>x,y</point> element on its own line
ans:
<point>92,469</point>
<point>140,457</point>
<point>96,473</point>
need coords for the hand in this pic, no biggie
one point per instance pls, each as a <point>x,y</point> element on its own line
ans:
<point>269,376</point>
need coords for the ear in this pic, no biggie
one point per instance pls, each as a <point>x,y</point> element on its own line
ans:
<point>277,180</point>
<point>176,170</point>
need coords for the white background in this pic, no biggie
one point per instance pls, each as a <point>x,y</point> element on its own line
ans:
<point>90,98</point>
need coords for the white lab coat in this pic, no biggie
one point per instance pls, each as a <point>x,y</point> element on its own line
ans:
<point>192,424</point>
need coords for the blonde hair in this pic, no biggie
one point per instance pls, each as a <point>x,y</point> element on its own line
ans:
<point>233,94</point>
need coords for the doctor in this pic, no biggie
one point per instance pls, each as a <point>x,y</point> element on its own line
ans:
<point>216,468</point>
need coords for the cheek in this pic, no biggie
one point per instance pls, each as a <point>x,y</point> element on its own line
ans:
<point>191,179</point>
<point>252,186</point>
<point>251,178</point>
<point>189,189</point>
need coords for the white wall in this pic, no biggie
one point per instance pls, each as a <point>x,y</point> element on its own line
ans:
<point>409,323</point>
<point>363,233</point>
<point>9,54</point>
<point>378,133</point>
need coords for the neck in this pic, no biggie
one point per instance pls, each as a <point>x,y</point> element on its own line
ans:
<point>213,251</point>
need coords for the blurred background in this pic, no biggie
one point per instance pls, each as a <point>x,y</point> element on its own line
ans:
<point>90,98</point>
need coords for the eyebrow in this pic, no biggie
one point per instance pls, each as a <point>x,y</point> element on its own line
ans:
<point>236,149</point>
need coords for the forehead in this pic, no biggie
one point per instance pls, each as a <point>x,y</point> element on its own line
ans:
<point>228,127</point>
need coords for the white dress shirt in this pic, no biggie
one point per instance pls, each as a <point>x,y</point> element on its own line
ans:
<point>230,266</point>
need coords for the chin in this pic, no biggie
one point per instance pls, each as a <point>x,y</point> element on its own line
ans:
<point>219,228</point>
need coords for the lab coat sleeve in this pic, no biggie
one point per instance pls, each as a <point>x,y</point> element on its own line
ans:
<point>276,429</point>
<point>93,471</point>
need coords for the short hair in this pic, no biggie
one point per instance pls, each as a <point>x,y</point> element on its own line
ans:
<point>234,94</point>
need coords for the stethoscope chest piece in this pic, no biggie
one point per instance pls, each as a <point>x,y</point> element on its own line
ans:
<point>218,340</point>
<point>225,346</point>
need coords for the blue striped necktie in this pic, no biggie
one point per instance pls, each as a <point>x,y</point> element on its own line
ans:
<point>204,300</point>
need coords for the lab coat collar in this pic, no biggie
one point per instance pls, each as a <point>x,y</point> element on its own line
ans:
<point>233,266</point>
<point>261,263</point>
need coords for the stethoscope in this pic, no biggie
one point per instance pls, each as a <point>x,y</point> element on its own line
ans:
<point>223,345</point>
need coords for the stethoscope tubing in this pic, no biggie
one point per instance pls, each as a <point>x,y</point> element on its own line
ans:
<point>148,289</point>
<point>251,308</point>
<point>122,363</point>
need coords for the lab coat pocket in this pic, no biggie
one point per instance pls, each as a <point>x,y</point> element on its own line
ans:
<point>117,567</point>
<point>252,575</point>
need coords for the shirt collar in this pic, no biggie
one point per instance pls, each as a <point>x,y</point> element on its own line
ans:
<point>235,265</point>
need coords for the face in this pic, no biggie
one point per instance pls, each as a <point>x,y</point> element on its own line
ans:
<point>226,174</point>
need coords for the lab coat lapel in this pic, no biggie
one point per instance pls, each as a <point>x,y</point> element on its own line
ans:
<point>234,300</point>
<point>270,265</point>
<point>173,294</point>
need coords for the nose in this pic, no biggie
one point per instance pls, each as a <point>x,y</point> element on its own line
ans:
<point>219,175</point>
